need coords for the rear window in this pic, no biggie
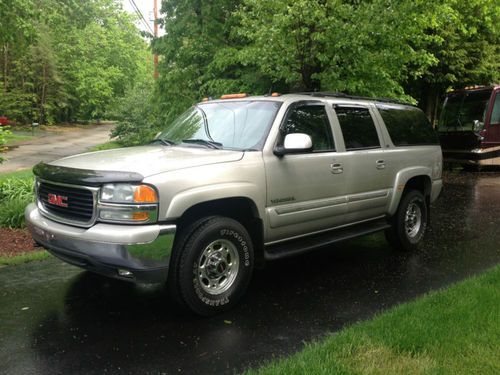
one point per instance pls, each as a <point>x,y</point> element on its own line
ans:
<point>407,126</point>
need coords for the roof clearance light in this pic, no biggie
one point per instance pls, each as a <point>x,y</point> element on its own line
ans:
<point>234,96</point>
<point>275,94</point>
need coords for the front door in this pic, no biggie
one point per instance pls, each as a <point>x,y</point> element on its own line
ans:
<point>306,191</point>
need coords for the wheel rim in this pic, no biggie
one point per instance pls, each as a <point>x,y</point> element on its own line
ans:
<point>413,220</point>
<point>218,267</point>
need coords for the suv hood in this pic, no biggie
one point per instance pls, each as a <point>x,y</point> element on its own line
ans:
<point>148,160</point>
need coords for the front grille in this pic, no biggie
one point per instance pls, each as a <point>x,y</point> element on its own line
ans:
<point>79,201</point>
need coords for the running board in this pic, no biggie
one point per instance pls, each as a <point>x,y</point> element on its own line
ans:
<point>306,244</point>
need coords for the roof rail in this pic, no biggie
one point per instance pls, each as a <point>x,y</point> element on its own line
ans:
<point>343,95</point>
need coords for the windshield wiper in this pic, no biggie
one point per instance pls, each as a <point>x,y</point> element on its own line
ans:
<point>163,141</point>
<point>204,142</point>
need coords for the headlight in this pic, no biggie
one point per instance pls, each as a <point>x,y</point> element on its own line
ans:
<point>128,203</point>
<point>125,193</point>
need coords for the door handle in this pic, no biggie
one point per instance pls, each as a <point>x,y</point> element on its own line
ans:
<point>380,164</point>
<point>336,168</point>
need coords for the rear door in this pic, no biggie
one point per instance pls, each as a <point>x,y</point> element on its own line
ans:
<point>368,180</point>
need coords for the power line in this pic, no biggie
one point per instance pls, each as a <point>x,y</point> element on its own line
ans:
<point>137,10</point>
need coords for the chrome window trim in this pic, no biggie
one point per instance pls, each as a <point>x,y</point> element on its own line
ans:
<point>52,216</point>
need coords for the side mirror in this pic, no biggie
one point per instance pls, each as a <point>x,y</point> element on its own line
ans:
<point>478,126</point>
<point>294,143</point>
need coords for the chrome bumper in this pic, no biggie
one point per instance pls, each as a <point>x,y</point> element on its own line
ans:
<point>139,252</point>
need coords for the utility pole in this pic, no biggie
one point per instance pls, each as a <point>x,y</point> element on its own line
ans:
<point>155,57</point>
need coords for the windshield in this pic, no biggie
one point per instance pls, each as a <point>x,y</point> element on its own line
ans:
<point>240,125</point>
<point>461,109</point>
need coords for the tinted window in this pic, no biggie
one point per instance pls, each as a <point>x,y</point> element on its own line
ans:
<point>407,125</point>
<point>462,108</point>
<point>313,121</point>
<point>495,114</point>
<point>357,127</point>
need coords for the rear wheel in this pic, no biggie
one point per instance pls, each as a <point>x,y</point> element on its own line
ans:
<point>212,266</point>
<point>409,224</point>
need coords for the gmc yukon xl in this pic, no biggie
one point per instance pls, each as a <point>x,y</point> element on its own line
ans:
<point>236,182</point>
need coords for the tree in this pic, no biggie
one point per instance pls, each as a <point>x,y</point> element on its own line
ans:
<point>465,40</point>
<point>72,58</point>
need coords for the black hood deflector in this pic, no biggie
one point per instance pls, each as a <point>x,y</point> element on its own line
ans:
<point>84,177</point>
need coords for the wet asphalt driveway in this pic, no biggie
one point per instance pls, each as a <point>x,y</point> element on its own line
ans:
<point>57,319</point>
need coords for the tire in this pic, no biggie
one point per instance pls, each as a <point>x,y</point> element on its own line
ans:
<point>409,224</point>
<point>211,265</point>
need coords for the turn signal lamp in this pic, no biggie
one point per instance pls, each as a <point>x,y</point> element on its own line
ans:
<point>145,194</point>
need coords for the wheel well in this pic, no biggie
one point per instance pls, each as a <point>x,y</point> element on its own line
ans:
<point>422,184</point>
<point>240,209</point>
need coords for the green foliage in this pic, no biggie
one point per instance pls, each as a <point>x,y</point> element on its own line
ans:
<point>106,146</point>
<point>389,48</point>
<point>66,60</point>
<point>4,132</point>
<point>21,173</point>
<point>200,56</point>
<point>12,212</point>
<point>15,195</point>
<point>138,118</point>
<point>16,187</point>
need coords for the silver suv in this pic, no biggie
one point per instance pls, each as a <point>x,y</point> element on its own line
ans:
<point>236,182</point>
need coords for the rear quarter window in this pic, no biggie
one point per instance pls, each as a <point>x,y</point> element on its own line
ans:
<point>407,126</point>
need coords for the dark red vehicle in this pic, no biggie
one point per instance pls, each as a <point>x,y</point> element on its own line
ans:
<point>469,127</point>
<point>4,120</point>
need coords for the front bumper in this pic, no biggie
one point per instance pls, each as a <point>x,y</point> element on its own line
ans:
<point>140,252</point>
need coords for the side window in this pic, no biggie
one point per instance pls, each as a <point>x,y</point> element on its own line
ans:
<point>407,125</point>
<point>313,121</point>
<point>357,127</point>
<point>495,114</point>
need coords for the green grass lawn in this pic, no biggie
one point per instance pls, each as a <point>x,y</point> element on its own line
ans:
<point>24,258</point>
<point>106,146</point>
<point>15,137</point>
<point>452,331</point>
<point>22,173</point>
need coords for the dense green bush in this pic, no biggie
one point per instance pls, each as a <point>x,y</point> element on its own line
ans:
<point>12,212</point>
<point>15,195</point>
<point>3,132</point>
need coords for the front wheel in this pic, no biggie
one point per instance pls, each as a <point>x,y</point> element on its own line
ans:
<point>409,224</point>
<point>212,267</point>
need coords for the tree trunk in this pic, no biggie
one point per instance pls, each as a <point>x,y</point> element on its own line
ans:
<point>430,102</point>
<point>5,66</point>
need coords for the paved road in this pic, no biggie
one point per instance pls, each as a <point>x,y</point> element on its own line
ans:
<point>53,146</point>
<point>56,319</point>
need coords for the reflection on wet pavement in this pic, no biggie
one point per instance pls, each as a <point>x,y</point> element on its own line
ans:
<point>55,318</point>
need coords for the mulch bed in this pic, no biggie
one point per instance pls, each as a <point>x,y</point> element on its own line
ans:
<point>16,241</point>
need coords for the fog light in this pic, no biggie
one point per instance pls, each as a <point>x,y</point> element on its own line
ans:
<point>125,273</point>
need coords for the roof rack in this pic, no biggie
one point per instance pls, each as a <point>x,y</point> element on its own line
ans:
<point>343,95</point>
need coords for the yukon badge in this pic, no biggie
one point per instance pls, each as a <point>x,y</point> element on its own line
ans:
<point>58,200</point>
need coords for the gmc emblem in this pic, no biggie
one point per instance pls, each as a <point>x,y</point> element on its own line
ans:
<point>58,200</point>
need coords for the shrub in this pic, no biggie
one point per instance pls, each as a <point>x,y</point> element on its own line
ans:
<point>16,188</point>
<point>15,195</point>
<point>12,212</point>
<point>3,132</point>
